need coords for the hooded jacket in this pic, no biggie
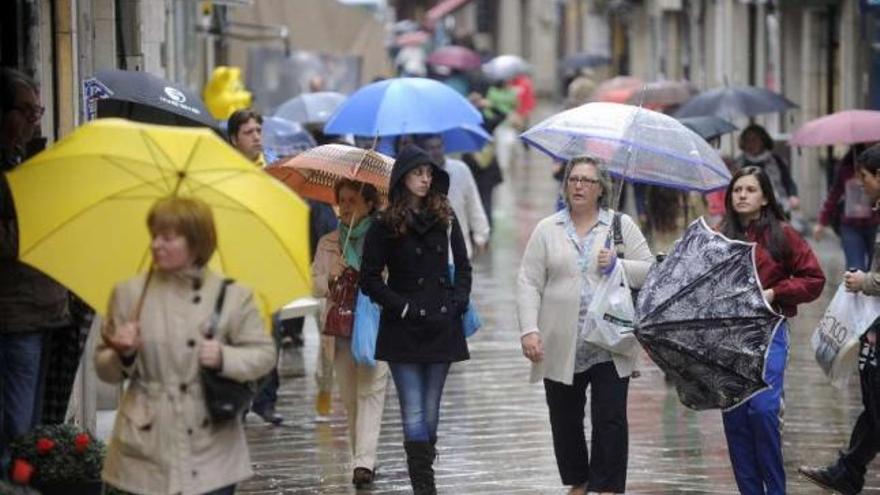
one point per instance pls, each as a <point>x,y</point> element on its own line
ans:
<point>421,304</point>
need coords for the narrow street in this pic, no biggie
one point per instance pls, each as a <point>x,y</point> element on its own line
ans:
<point>494,430</point>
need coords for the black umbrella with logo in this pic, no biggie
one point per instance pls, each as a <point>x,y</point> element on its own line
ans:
<point>702,317</point>
<point>143,97</point>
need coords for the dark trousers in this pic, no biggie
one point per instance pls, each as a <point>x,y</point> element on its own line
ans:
<point>606,471</point>
<point>864,442</point>
<point>267,387</point>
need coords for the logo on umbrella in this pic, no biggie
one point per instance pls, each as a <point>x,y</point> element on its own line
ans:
<point>175,94</point>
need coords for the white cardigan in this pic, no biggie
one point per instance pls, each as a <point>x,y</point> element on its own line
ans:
<point>549,288</point>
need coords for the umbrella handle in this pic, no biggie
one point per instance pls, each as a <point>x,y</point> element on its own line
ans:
<point>136,313</point>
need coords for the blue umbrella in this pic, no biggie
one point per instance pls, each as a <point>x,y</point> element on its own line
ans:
<point>282,138</point>
<point>410,105</point>
<point>732,102</point>
<point>462,139</point>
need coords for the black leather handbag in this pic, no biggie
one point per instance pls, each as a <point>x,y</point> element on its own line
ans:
<point>226,399</point>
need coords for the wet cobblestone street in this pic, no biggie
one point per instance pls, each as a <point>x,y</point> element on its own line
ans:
<point>494,431</point>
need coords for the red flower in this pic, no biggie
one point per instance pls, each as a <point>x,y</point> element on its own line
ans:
<point>45,445</point>
<point>22,472</point>
<point>81,442</point>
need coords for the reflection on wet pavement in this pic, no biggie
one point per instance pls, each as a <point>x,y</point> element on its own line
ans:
<point>494,432</point>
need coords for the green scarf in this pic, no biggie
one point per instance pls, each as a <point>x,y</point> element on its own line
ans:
<point>354,248</point>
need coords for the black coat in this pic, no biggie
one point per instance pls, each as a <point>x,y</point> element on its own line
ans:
<point>418,276</point>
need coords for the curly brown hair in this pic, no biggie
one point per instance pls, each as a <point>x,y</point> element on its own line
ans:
<point>398,212</point>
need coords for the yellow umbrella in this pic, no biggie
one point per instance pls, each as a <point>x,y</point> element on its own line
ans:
<point>82,208</point>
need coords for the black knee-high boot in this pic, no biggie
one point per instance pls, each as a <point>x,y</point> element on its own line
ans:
<point>420,461</point>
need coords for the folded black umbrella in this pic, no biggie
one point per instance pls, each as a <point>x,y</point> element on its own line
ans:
<point>143,97</point>
<point>702,317</point>
<point>731,102</point>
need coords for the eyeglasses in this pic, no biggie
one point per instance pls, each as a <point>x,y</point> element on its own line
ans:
<point>31,112</point>
<point>583,181</point>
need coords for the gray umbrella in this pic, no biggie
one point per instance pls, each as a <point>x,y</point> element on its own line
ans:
<point>702,317</point>
<point>708,127</point>
<point>731,102</point>
<point>311,108</point>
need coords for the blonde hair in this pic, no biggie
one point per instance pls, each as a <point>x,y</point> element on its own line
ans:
<point>190,217</point>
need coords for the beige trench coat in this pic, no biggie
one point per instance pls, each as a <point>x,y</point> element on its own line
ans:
<point>163,442</point>
<point>549,288</point>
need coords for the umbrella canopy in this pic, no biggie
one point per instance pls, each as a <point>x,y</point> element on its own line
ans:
<point>82,207</point>
<point>662,94</point>
<point>731,102</point>
<point>143,97</point>
<point>464,139</point>
<point>846,127</point>
<point>714,353</point>
<point>708,127</point>
<point>313,174</point>
<point>311,108</point>
<point>456,57</point>
<point>504,67</point>
<point>282,138</point>
<point>409,105</point>
<point>577,61</point>
<point>617,89</point>
<point>633,143</point>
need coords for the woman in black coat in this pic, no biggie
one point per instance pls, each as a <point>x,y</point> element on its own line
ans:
<point>420,333</point>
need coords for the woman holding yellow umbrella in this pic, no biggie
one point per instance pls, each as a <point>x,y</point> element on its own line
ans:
<point>155,336</point>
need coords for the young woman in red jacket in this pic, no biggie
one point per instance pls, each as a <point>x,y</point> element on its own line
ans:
<point>790,275</point>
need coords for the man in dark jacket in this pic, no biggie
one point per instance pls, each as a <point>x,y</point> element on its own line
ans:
<point>31,304</point>
<point>847,474</point>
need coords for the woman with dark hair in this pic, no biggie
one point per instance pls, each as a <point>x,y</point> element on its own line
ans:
<point>420,332</point>
<point>790,275</point>
<point>757,151</point>
<point>362,387</point>
<point>847,209</point>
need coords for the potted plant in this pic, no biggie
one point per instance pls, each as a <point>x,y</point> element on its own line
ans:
<point>58,459</point>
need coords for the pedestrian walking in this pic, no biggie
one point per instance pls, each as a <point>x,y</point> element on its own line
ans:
<point>757,151</point>
<point>463,195</point>
<point>420,332</point>
<point>164,441</point>
<point>563,262</point>
<point>32,305</point>
<point>245,129</point>
<point>847,209</point>
<point>790,275</point>
<point>362,387</point>
<point>847,474</point>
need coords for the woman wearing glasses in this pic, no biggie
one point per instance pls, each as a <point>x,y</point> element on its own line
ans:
<point>564,261</point>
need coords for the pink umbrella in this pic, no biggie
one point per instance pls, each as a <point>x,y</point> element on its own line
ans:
<point>455,57</point>
<point>846,127</point>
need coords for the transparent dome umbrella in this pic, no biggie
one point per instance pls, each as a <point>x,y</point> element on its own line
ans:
<point>714,353</point>
<point>634,144</point>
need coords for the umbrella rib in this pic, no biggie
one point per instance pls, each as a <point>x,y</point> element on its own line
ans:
<point>270,229</point>
<point>155,146</point>
<point>121,165</point>
<point>689,352</point>
<point>669,300</point>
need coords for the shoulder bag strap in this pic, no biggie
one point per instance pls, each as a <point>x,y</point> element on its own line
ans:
<point>617,232</point>
<point>218,308</point>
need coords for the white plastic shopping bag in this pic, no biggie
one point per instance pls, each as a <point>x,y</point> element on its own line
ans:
<point>836,339</point>
<point>611,314</point>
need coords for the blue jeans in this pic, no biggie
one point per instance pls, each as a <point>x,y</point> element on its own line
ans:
<point>419,389</point>
<point>754,428</point>
<point>858,246</point>
<point>19,380</point>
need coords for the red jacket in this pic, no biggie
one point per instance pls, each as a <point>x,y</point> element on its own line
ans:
<point>797,279</point>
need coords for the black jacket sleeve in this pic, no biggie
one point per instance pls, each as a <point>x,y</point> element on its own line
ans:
<point>377,251</point>
<point>791,188</point>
